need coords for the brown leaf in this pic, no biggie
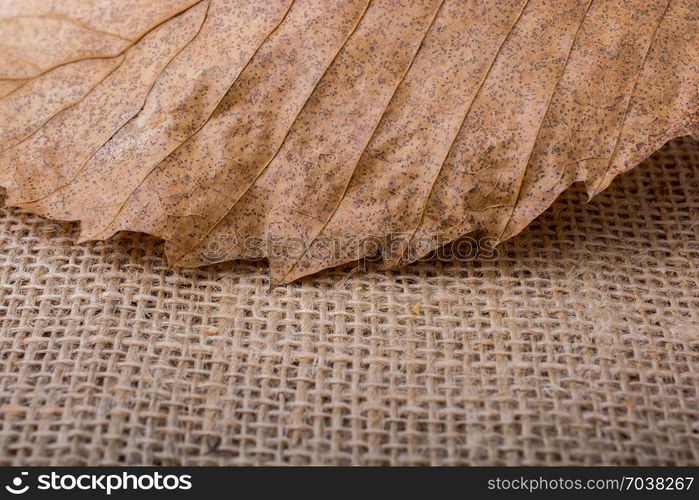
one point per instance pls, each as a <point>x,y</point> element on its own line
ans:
<point>7,86</point>
<point>31,103</point>
<point>52,159</point>
<point>187,90</point>
<point>331,130</point>
<point>314,133</point>
<point>27,103</point>
<point>101,28</point>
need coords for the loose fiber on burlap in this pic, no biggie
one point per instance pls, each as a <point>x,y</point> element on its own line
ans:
<point>578,345</point>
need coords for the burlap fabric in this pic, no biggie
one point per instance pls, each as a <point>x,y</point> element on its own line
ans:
<point>579,345</point>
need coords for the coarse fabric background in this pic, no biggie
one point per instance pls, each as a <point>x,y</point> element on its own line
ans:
<point>578,345</point>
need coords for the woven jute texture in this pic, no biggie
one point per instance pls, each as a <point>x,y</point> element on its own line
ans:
<point>578,345</point>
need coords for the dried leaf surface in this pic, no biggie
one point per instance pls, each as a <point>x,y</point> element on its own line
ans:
<point>248,127</point>
<point>314,127</point>
<point>86,29</point>
<point>26,104</point>
<point>178,103</point>
<point>7,86</point>
<point>53,159</point>
<point>30,104</point>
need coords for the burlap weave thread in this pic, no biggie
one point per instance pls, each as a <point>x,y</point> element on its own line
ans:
<point>579,345</point>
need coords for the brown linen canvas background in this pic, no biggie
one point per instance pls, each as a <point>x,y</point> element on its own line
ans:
<point>579,345</point>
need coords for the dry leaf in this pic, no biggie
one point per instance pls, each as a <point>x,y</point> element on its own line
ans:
<point>52,157</point>
<point>189,85</point>
<point>7,86</point>
<point>315,133</point>
<point>62,80</point>
<point>98,28</point>
<point>28,105</point>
